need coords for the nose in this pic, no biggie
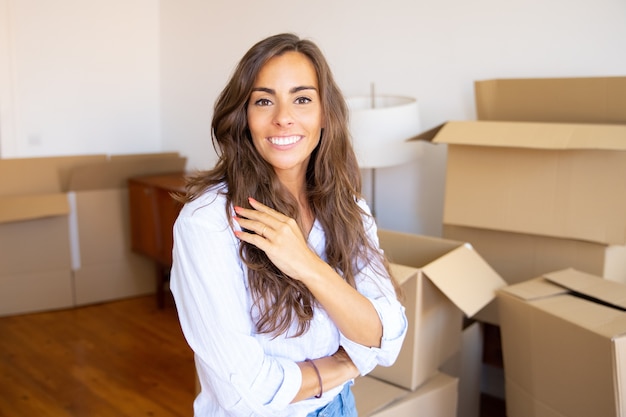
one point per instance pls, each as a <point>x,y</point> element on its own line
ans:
<point>283,116</point>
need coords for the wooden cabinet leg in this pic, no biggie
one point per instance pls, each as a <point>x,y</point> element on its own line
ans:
<point>162,278</point>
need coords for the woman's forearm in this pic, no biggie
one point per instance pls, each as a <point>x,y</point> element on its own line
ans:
<point>334,370</point>
<point>353,314</point>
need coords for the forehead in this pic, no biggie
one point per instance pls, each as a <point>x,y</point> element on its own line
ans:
<point>289,67</point>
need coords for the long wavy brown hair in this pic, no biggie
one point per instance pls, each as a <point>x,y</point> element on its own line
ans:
<point>333,186</point>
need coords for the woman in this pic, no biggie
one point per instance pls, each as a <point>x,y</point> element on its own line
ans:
<point>281,289</point>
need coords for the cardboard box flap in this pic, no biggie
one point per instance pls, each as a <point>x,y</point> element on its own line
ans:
<point>40,175</point>
<point>36,206</point>
<point>401,273</point>
<point>429,135</point>
<point>551,294</point>
<point>413,250</point>
<point>135,156</point>
<point>466,279</point>
<point>115,172</point>
<point>534,289</point>
<point>533,135</point>
<point>454,267</point>
<point>575,99</point>
<point>601,290</point>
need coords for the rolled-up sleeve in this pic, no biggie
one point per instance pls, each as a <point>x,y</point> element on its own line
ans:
<point>375,284</point>
<point>209,287</point>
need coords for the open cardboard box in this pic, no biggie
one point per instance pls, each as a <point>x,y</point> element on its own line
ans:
<point>442,280</point>
<point>587,100</point>
<point>564,345</point>
<point>437,397</point>
<point>547,157</point>
<point>551,179</point>
<point>520,256</point>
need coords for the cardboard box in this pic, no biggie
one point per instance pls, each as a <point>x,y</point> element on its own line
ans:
<point>35,263</point>
<point>106,268</point>
<point>441,280</point>
<point>537,183</point>
<point>466,366</point>
<point>518,257</point>
<point>557,141</point>
<point>549,179</point>
<point>52,209</point>
<point>435,398</point>
<point>35,251</point>
<point>564,345</point>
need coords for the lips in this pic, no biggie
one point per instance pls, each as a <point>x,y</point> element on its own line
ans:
<point>284,140</point>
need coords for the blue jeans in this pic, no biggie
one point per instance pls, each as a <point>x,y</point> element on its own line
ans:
<point>342,405</point>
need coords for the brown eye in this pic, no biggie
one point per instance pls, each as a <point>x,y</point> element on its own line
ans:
<point>263,102</point>
<point>303,100</point>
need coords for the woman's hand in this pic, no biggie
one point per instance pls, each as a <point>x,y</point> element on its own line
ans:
<point>281,239</point>
<point>278,236</point>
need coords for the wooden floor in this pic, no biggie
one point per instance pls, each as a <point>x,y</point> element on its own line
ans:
<point>124,358</point>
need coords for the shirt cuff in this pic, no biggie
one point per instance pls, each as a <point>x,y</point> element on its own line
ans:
<point>395,325</point>
<point>292,381</point>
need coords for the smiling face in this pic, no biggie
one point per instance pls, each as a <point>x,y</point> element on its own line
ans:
<point>285,114</point>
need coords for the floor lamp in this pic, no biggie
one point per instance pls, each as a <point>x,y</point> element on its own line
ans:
<point>380,127</point>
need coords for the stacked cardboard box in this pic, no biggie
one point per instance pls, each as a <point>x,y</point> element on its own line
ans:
<point>437,397</point>
<point>564,340</point>
<point>64,236</point>
<point>442,281</point>
<point>537,183</point>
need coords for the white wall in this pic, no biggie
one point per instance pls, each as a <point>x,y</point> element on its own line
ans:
<point>432,50</point>
<point>79,77</point>
<point>118,76</point>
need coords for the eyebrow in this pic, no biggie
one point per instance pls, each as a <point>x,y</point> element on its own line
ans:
<point>291,91</point>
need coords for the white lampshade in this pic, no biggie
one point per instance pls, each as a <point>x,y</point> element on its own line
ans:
<point>380,133</point>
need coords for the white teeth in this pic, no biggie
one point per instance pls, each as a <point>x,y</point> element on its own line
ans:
<point>283,141</point>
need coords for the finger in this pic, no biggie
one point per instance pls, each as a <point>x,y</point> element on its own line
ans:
<point>263,214</point>
<point>254,214</point>
<point>255,226</point>
<point>265,209</point>
<point>253,239</point>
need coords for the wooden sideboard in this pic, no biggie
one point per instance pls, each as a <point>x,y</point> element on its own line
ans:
<point>153,211</point>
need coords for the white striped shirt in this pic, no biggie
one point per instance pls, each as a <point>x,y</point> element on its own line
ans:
<point>243,373</point>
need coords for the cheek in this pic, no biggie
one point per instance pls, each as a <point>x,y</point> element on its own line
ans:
<point>313,121</point>
<point>256,123</point>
